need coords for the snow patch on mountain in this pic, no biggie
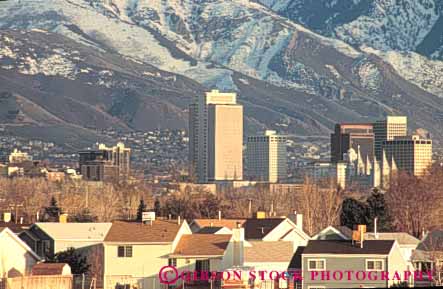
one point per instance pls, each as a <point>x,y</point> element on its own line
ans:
<point>391,25</point>
<point>213,78</point>
<point>368,73</point>
<point>423,72</point>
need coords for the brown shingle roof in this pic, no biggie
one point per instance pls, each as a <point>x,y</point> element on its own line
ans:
<point>378,247</point>
<point>228,223</point>
<point>202,245</point>
<point>271,251</point>
<point>136,232</point>
<point>48,268</point>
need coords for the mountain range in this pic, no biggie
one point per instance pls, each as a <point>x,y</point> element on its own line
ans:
<point>69,68</point>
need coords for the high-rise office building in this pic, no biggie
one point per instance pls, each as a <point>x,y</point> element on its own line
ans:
<point>411,153</point>
<point>216,137</point>
<point>266,157</point>
<point>358,136</point>
<point>386,130</point>
<point>105,163</point>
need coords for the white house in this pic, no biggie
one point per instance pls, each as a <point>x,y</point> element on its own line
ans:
<point>135,252</point>
<point>16,257</point>
<point>271,242</point>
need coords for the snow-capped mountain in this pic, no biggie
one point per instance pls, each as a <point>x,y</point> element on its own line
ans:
<point>405,25</point>
<point>287,76</point>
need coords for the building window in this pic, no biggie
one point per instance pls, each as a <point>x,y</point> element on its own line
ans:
<point>124,251</point>
<point>172,262</point>
<point>46,247</point>
<point>374,265</point>
<point>316,264</point>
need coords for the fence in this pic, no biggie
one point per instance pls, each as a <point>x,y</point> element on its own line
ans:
<point>37,282</point>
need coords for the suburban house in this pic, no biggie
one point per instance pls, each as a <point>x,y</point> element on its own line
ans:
<point>429,256</point>
<point>16,257</point>
<point>322,256</point>
<point>47,239</point>
<point>268,243</point>
<point>271,242</point>
<point>406,242</point>
<point>134,252</point>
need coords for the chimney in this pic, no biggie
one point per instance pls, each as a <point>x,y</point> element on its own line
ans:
<point>21,220</point>
<point>375,228</point>
<point>238,238</point>
<point>37,216</point>
<point>219,215</point>
<point>260,215</point>
<point>7,217</point>
<point>178,220</point>
<point>63,218</point>
<point>299,223</point>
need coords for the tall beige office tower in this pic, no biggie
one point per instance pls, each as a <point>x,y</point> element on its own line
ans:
<point>387,129</point>
<point>411,153</point>
<point>266,157</point>
<point>216,137</point>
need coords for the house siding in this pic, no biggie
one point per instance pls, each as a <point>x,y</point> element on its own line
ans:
<point>15,261</point>
<point>341,263</point>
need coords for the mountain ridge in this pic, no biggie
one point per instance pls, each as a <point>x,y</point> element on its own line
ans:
<point>307,81</point>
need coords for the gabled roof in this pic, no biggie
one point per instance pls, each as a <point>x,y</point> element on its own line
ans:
<point>433,241</point>
<point>370,247</point>
<point>340,232</point>
<point>259,228</point>
<point>296,261</point>
<point>160,231</point>
<point>209,230</point>
<point>402,238</point>
<point>75,231</point>
<point>228,223</point>
<point>202,245</point>
<point>42,269</point>
<point>268,251</point>
<point>4,231</point>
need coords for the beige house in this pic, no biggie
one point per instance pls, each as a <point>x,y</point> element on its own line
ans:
<point>135,252</point>
<point>18,259</point>
<point>271,242</point>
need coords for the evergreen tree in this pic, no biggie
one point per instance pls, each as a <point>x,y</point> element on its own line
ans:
<point>157,207</point>
<point>353,213</point>
<point>77,262</point>
<point>377,208</point>
<point>141,208</point>
<point>53,211</point>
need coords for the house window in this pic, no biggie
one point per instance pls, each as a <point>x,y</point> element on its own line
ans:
<point>316,264</point>
<point>46,247</point>
<point>124,251</point>
<point>172,262</point>
<point>374,265</point>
